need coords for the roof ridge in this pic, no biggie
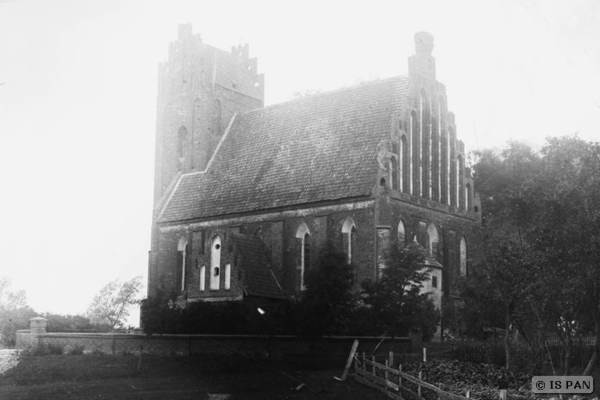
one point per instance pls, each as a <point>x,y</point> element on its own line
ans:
<point>325,93</point>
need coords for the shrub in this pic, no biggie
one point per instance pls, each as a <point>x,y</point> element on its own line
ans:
<point>44,349</point>
<point>76,350</point>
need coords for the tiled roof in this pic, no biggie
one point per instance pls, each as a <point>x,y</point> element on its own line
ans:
<point>428,259</point>
<point>315,148</point>
<point>259,277</point>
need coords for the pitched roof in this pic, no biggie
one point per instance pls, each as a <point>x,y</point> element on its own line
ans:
<point>315,148</point>
<point>428,259</point>
<point>259,277</point>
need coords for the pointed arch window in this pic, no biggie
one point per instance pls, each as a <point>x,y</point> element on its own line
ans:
<point>416,153</point>
<point>468,197</point>
<point>432,240</point>
<point>394,173</point>
<point>215,263</point>
<point>459,191</point>
<point>302,252</point>
<point>425,142</point>
<point>401,233</point>
<point>404,165</point>
<point>349,233</point>
<point>463,256</point>
<point>182,250</point>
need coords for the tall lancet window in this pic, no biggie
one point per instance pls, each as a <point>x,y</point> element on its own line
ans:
<point>404,165</point>
<point>425,139</point>
<point>432,240</point>
<point>182,250</point>
<point>302,252</point>
<point>393,175</point>
<point>459,177</point>
<point>349,235</point>
<point>416,153</point>
<point>401,233</point>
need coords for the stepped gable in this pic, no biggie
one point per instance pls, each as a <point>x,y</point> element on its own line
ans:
<point>311,149</point>
<point>259,278</point>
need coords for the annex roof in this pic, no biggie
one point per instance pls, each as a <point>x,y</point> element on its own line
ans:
<point>260,279</point>
<point>314,148</point>
<point>428,260</point>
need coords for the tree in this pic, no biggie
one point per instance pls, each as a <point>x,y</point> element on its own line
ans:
<point>112,304</point>
<point>542,215</point>
<point>396,302</point>
<point>14,312</point>
<point>327,304</point>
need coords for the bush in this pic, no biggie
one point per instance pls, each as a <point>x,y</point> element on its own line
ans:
<point>45,349</point>
<point>76,350</point>
<point>161,315</point>
<point>325,308</point>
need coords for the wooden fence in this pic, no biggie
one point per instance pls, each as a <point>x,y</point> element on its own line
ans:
<point>395,383</point>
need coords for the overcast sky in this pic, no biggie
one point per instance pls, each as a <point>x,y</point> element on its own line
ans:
<point>78,84</point>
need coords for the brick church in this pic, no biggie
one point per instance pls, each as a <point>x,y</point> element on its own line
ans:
<point>246,195</point>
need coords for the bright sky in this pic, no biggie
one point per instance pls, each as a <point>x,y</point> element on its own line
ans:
<point>78,86</point>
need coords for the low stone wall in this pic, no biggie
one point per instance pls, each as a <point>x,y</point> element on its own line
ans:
<point>263,346</point>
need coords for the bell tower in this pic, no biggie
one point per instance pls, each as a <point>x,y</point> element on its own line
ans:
<point>200,88</point>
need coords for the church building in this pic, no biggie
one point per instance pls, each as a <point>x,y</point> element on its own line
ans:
<point>246,195</point>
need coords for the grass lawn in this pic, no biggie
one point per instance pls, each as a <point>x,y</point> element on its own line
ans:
<point>175,378</point>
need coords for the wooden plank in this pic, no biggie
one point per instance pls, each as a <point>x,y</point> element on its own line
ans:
<point>349,361</point>
<point>370,384</point>
<point>402,375</point>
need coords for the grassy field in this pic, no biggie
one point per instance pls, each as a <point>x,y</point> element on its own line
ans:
<point>176,378</point>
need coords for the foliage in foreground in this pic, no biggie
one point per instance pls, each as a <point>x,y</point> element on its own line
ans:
<point>112,304</point>
<point>482,380</point>
<point>326,306</point>
<point>539,276</point>
<point>396,304</point>
<point>14,312</point>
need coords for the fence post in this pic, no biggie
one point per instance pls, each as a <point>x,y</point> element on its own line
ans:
<point>468,395</point>
<point>400,375</point>
<point>419,385</point>
<point>503,394</point>
<point>441,386</point>
<point>374,367</point>
<point>424,354</point>
<point>385,374</point>
<point>391,358</point>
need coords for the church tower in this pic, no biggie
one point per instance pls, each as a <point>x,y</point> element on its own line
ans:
<point>200,88</point>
